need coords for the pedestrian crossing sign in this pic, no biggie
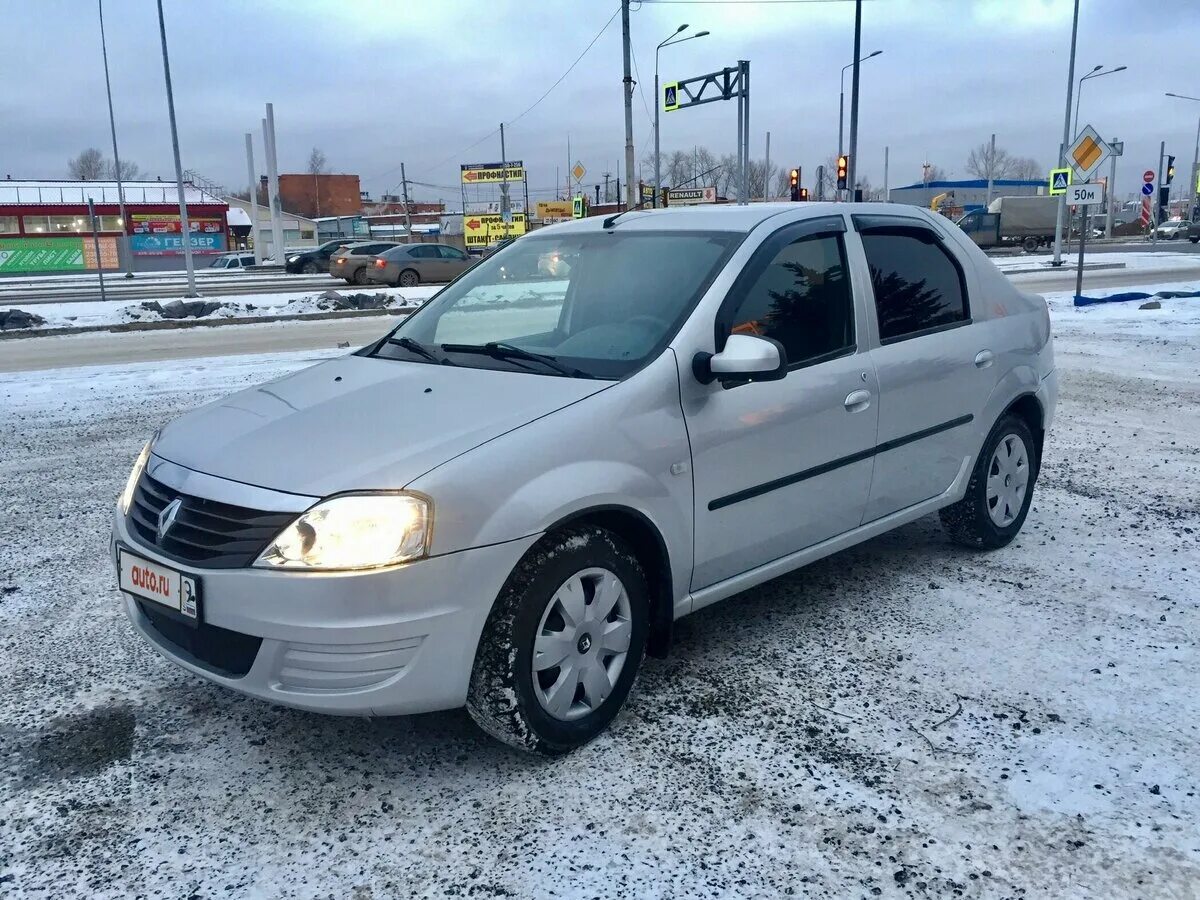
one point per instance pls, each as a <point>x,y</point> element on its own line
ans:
<point>671,97</point>
<point>1060,180</point>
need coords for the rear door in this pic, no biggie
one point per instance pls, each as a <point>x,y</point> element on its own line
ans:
<point>934,365</point>
<point>456,261</point>
<point>428,262</point>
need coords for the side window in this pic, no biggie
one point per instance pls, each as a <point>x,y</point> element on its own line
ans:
<point>803,300</point>
<point>423,251</point>
<point>450,252</point>
<point>918,287</point>
<point>234,262</point>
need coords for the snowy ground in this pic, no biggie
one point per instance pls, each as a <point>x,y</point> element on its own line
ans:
<point>1131,260</point>
<point>904,719</point>
<point>116,312</point>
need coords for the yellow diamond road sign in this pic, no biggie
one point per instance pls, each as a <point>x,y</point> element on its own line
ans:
<point>579,171</point>
<point>1087,153</point>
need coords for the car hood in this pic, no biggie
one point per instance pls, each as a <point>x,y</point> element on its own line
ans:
<point>360,423</point>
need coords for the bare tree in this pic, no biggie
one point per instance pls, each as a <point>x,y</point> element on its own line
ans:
<point>130,171</point>
<point>317,163</point>
<point>870,192</point>
<point>1026,168</point>
<point>87,166</point>
<point>983,162</point>
<point>931,172</point>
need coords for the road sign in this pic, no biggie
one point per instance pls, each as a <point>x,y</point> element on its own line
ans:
<point>577,206</point>
<point>1085,195</point>
<point>578,171</point>
<point>493,173</point>
<point>1148,176</point>
<point>691,196</point>
<point>671,96</point>
<point>1087,153</point>
<point>1144,218</point>
<point>1148,189</point>
<point>1060,180</point>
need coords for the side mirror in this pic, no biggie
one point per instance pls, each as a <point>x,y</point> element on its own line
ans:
<point>746,357</point>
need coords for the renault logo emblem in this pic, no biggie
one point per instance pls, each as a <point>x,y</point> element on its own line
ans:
<point>166,518</point>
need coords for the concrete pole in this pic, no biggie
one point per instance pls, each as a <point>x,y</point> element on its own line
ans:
<point>1155,206</point>
<point>887,193</point>
<point>273,189</point>
<point>745,63</point>
<point>852,166</point>
<point>1112,193</point>
<point>407,211</point>
<point>657,150</point>
<point>505,208</point>
<point>253,199</point>
<point>630,186</point>
<point>741,121</point>
<point>95,223</point>
<point>767,172</point>
<point>184,228</point>
<point>991,170</point>
<point>112,124</point>
<point>1192,188</point>
<point>1066,140</point>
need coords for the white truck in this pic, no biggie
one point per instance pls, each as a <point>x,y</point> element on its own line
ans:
<point>1028,221</point>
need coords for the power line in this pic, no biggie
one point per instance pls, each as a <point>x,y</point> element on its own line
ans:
<point>633,53</point>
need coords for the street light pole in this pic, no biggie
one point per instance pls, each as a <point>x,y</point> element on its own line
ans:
<point>112,124</point>
<point>842,101</point>
<point>658,103</point>
<point>1095,73</point>
<point>628,86</point>
<point>184,228</point>
<point>1062,150</point>
<point>852,166</point>
<point>1194,187</point>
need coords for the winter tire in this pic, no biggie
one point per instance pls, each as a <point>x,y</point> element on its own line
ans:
<point>1030,244</point>
<point>310,268</point>
<point>992,511</point>
<point>563,643</point>
<point>408,278</point>
<point>360,275</point>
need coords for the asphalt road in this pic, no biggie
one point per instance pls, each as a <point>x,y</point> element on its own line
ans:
<point>150,286</point>
<point>103,348</point>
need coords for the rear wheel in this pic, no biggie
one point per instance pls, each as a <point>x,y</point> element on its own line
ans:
<point>360,275</point>
<point>993,510</point>
<point>1030,244</point>
<point>310,268</point>
<point>563,643</point>
<point>408,278</point>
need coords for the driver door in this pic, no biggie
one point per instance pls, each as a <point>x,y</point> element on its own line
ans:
<point>781,465</point>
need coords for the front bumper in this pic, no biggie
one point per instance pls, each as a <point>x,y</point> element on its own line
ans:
<point>385,642</point>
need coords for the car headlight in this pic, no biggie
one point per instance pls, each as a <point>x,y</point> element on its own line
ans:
<point>139,466</point>
<point>353,531</point>
<point>293,258</point>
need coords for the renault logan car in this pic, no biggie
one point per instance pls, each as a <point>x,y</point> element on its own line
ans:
<point>506,501</point>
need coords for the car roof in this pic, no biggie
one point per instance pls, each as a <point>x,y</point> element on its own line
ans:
<point>729,217</point>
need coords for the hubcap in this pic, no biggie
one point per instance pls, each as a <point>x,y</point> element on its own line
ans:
<point>1007,480</point>
<point>581,644</point>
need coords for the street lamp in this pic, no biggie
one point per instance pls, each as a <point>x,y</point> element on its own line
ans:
<point>842,97</point>
<point>112,123</point>
<point>1095,73</point>
<point>671,39</point>
<point>1192,188</point>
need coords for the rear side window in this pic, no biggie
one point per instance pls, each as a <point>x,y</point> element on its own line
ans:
<point>450,252</point>
<point>802,299</point>
<point>918,287</point>
<point>424,252</point>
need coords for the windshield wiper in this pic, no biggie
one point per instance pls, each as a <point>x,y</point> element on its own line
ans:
<point>502,350</point>
<point>419,349</point>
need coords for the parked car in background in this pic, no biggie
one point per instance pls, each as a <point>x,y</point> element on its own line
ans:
<point>1193,232</point>
<point>1173,229</point>
<point>411,264</point>
<point>313,260</point>
<point>351,261</point>
<point>232,261</point>
<point>507,500</point>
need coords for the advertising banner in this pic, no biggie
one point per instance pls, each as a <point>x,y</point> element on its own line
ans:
<point>493,173</point>
<point>553,209</point>
<point>172,244</point>
<point>63,254</point>
<point>485,230</point>
<point>164,223</point>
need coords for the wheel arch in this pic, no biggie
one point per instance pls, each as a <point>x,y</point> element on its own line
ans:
<point>1028,408</point>
<point>647,543</point>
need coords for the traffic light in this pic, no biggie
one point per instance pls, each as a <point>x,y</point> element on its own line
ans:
<point>1170,170</point>
<point>794,184</point>
<point>804,194</point>
<point>843,170</point>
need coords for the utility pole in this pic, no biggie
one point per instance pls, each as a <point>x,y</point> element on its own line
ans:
<point>820,182</point>
<point>1066,140</point>
<point>629,183</point>
<point>1156,219</point>
<point>505,209</point>
<point>253,199</point>
<point>887,193</point>
<point>407,210</point>
<point>607,175</point>
<point>112,124</point>
<point>185,231</point>
<point>1112,194</point>
<point>991,169</point>
<point>767,173</point>
<point>852,168</point>
<point>95,223</point>
<point>273,189</point>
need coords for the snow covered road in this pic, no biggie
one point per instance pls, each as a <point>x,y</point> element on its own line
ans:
<point>903,719</point>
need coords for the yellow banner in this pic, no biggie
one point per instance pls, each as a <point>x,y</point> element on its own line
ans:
<point>492,173</point>
<point>486,229</point>
<point>554,209</point>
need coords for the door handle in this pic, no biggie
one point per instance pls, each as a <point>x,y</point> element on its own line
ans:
<point>857,401</point>
<point>984,358</point>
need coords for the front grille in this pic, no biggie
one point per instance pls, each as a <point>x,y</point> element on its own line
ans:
<point>206,533</point>
<point>226,652</point>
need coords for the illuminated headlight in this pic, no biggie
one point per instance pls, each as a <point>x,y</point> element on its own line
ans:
<point>293,258</point>
<point>139,466</point>
<point>354,531</point>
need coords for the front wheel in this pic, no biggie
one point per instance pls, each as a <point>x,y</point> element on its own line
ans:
<point>997,500</point>
<point>1030,244</point>
<point>563,643</point>
<point>310,268</point>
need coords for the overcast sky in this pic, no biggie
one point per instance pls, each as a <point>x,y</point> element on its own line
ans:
<point>377,82</point>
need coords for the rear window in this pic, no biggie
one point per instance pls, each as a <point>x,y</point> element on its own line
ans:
<point>918,287</point>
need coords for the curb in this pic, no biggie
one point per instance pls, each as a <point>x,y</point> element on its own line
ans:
<point>167,324</point>
<point>1050,270</point>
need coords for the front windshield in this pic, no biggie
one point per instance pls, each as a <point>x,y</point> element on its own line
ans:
<point>597,304</point>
